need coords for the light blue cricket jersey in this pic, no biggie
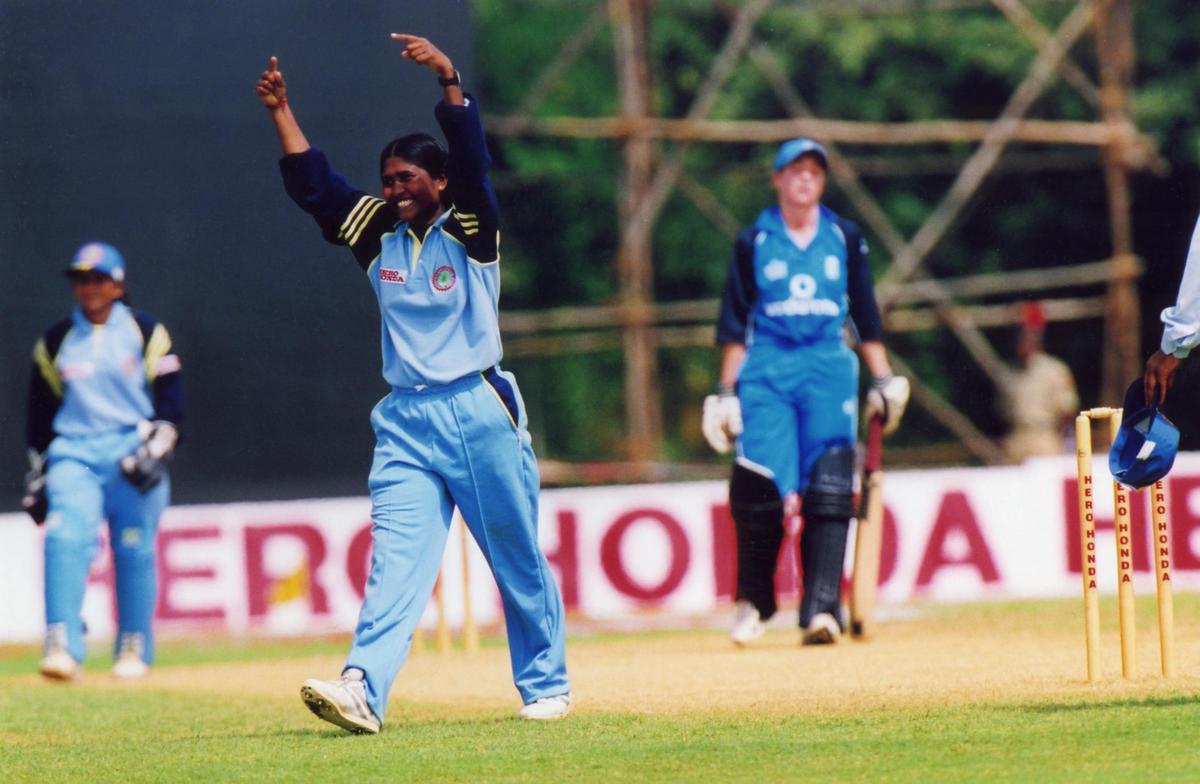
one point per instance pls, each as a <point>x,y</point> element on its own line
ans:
<point>438,295</point>
<point>103,374</point>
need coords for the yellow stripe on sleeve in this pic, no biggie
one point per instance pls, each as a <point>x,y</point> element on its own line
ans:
<point>157,347</point>
<point>355,214</point>
<point>368,216</point>
<point>45,364</point>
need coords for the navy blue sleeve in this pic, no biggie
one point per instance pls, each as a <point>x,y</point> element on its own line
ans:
<point>864,310</point>
<point>741,292</point>
<point>346,215</point>
<point>168,399</point>
<point>476,217</point>
<point>42,406</point>
<point>163,369</point>
<point>45,388</point>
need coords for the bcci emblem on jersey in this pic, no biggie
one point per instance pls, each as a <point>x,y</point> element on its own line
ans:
<point>443,278</point>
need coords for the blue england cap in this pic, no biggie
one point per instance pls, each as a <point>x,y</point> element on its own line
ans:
<point>1144,449</point>
<point>99,257</point>
<point>793,149</point>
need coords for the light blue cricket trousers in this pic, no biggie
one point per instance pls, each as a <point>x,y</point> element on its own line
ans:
<point>462,444</point>
<point>84,487</point>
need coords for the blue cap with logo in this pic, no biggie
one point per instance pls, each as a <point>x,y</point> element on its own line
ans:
<point>794,148</point>
<point>1144,449</point>
<point>99,257</point>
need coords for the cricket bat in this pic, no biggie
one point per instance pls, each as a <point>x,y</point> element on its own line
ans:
<point>868,538</point>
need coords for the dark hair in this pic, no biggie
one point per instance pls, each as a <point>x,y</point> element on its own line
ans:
<point>419,149</point>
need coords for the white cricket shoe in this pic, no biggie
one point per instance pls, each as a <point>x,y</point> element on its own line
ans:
<point>130,664</point>
<point>57,662</point>
<point>547,708</point>
<point>59,665</point>
<point>130,667</point>
<point>823,629</point>
<point>747,624</point>
<point>342,702</point>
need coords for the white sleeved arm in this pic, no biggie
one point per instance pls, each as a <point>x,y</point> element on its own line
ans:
<point>1182,331</point>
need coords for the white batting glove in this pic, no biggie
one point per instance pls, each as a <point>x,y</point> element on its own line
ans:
<point>887,398</point>
<point>722,421</point>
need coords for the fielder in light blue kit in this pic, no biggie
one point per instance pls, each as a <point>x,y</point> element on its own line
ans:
<point>452,432</point>
<point>788,391</point>
<point>104,411</point>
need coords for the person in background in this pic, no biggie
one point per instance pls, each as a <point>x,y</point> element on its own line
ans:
<point>1040,399</point>
<point>105,405</point>
<point>1181,332</point>
<point>787,391</point>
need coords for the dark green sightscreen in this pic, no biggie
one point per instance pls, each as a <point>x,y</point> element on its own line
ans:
<point>137,124</point>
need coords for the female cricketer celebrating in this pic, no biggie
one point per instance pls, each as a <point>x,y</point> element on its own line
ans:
<point>788,390</point>
<point>452,432</point>
<point>104,407</point>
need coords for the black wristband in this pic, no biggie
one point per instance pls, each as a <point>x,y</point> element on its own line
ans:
<point>453,80</point>
<point>726,390</point>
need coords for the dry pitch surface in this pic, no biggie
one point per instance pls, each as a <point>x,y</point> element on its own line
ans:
<point>957,656</point>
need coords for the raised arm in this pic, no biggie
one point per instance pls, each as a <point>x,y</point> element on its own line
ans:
<point>272,92</point>
<point>476,217</point>
<point>423,52</point>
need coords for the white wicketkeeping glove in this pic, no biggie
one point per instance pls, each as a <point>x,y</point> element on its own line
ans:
<point>722,421</point>
<point>145,466</point>
<point>887,398</point>
<point>34,500</point>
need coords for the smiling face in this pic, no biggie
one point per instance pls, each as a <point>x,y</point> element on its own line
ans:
<point>411,191</point>
<point>96,292</point>
<point>801,183</point>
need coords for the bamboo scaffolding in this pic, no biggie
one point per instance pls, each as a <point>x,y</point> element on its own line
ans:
<point>917,132</point>
<point>1028,282</point>
<point>650,177</point>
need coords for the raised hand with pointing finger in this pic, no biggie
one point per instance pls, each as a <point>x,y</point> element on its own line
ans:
<point>422,52</point>
<point>271,87</point>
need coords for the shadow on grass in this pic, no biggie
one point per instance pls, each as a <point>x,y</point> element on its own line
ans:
<point>1174,700</point>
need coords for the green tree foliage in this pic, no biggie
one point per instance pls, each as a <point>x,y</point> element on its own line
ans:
<point>559,196</point>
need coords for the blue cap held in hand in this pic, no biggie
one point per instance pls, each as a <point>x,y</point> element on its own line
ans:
<point>1144,449</point>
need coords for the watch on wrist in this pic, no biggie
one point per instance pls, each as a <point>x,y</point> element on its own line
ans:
<point>453,80</point>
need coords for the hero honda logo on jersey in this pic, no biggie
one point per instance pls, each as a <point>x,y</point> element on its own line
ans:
<point>444,278</point>
<point>392,275</point>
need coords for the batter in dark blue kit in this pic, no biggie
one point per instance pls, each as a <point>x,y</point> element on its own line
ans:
<point>452,431</point>
<point>788,390</point>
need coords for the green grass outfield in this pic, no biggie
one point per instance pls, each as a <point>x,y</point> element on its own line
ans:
<point>978,693</point>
